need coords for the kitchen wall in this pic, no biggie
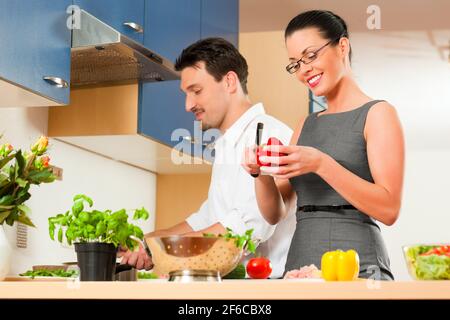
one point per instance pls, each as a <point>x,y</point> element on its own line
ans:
<point>407,69</point>
<point>111,185</point>
<point>189,190</point>
<point>283,96</point>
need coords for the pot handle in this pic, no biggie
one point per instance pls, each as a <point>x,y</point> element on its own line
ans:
<point>123,267</point>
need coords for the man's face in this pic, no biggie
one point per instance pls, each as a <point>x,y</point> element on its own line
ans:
<point>207,98</point>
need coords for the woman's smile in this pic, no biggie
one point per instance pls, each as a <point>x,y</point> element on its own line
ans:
<point>313,81</point>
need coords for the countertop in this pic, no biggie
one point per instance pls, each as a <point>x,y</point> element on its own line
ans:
<point>227,289</point>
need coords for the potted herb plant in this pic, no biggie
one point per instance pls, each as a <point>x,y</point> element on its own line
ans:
<point>18,171</point>
<point>96,236</point>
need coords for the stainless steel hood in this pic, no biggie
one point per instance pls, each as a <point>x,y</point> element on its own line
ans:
<point>102,55</point>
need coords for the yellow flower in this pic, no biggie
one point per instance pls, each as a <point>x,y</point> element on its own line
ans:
<point>40,146</point>
<point>5,150</point>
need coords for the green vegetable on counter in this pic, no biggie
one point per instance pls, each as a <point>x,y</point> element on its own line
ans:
<point>50,273</point>
<point>237,273</point>
<point>147,275</point>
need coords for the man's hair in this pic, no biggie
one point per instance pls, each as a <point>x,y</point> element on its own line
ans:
<point>219,56</point>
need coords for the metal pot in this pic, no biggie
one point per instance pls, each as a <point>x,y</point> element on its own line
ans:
<point>125,272</point>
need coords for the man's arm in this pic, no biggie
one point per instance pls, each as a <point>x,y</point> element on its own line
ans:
<point>216,229</point>
<point>180,228</point>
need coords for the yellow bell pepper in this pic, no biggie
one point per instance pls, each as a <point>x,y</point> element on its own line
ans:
<point>340,266</point>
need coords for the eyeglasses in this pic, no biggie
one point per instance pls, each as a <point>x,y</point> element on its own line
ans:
<point>306,59</point>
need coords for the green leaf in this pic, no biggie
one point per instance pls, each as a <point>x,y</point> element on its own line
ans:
<point>22,183</point>
<point>209,235</point>
<point>100,229</point>
<point>141,214</point>
<point>26,210</point>
<point>20,162</point>
<point>13,173</point>
<point>51,230</point>
<point>77,208</point>
<point>83,216</point>
<point>23,191</point>
<point>251,246</point>
<point>4,215</point>
<point>6,200</point>
<point>240,242</point>
<point>7,188</point>
<point>138,232</point>
<point>5,160</point>
<point>25,220</point>
<point>85,198</point>
<point>60,234</point>
<point>40,176</point>
<point>249,232</point>
<point>3,178</point>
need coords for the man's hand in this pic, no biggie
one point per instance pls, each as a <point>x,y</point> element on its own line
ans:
<point>138,259</point>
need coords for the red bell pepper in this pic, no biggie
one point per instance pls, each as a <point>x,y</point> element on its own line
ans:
<point>260,152</point>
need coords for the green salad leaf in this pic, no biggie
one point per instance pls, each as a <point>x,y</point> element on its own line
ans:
<point>50,273</point>
<point>433,267</point>
<point>429,267</point>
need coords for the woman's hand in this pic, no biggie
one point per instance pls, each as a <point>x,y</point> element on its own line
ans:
<point>297,161</point>
<point>249,160</point>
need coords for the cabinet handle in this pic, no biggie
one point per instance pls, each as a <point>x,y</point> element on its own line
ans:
<point>136,27</point>
<point>57,82</point>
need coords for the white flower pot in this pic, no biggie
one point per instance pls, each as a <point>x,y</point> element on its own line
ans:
<point>5,254</point>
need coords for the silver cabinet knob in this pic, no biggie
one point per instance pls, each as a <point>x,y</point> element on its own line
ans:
<point>136,27</point>
<point>57,82</point>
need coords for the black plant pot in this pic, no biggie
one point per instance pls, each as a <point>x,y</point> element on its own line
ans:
<point>97,261</point>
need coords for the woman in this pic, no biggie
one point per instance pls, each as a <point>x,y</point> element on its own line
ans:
<point>344,165</point>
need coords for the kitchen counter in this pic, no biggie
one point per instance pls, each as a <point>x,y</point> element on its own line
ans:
<point>228,289</point>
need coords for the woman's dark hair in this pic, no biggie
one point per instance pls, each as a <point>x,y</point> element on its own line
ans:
<point>330,25</point>
<point>220,57</point>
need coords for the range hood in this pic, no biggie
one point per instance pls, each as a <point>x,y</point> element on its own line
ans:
<point>102,55</point>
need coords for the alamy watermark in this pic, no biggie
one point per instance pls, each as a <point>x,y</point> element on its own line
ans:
<point>373,22</point>
<point>73,21</point>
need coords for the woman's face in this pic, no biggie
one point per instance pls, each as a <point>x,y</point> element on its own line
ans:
<point>324,73</point>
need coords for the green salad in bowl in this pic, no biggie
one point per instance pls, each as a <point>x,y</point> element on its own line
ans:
<point>428,262</point>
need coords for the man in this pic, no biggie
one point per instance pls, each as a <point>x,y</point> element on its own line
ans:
<point>214,78</point>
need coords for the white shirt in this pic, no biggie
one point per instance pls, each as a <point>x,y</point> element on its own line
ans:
<point>231,196</point>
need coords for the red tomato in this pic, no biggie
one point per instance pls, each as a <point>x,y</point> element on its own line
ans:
<point>260,152</point>
<point>259,268</point>
<point>445,248</point>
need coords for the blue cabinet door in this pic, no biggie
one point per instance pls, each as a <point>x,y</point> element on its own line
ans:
<point>220,18</point>
<point>171,26</point>
<point>123,15</point>
<point>35,43</point>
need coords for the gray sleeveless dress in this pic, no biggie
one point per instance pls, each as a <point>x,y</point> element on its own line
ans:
<point>340,135</point>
